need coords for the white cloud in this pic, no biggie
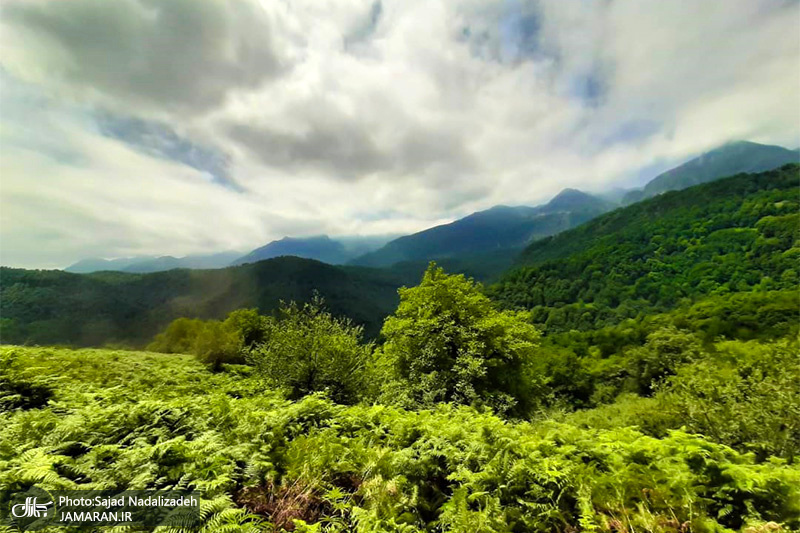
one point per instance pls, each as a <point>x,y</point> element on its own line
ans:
<point>359,117</point>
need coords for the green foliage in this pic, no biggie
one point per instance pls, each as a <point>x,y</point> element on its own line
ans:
<point>178,337</point>
<point>55,307</point>
<point>250,327</point>
<point>743,395</point>
<point>732,235</point>
<point>21,388</point>
<point>447,342</point>
<point>218,343</point>
<point>662,354</point>
<point>746,396</point>
<point>309,350</point>
<point>142,420</point>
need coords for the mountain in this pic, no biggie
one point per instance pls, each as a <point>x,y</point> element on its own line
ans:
<point>56,307</point>
<point>322,248</point>
<point>167,262</point>
<point>727,160</point>
<point>500,228</point>
<point>143,264</point>
<point>97,264</point>
<point>731,235</point>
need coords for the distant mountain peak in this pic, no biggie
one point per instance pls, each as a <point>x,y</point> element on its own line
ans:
<point>570,199</point>
<point>731,158</point>
<point>319,247</point>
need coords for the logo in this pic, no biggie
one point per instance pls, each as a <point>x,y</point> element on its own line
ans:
<point>30,509</point>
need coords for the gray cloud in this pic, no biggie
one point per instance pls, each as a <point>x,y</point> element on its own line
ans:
<point>159,140</point>
<point>177,54</point>
<point>347,148</point>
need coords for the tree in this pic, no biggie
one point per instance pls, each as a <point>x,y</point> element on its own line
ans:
<point>309,350</point>
<point>665,350</point>
<point>448,343</point>
<point>178,337</point>
<point>217,343</point>
<point>251,327</point>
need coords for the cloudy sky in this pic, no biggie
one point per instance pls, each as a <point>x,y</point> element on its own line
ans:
<point>189,126</point>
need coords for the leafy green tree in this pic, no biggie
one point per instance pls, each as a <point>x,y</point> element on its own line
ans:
<point>665,350</point>
<point>251,327</point>
<point>448,343</point>
<point>309,350</point>
<point>218,343</point>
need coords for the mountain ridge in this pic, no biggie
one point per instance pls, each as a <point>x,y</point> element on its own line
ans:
<point>500,227</point>
<point>726,160</point>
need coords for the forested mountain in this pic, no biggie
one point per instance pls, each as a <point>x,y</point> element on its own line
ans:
<point>499,229</point>
<point>55,307</point>
<point>735,234</point>
<point>727,160</point>
<point>321,248</point>
<point>336,251</point>
<point>143,264</point>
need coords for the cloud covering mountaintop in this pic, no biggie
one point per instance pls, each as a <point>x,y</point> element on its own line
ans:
<point>143,127</point>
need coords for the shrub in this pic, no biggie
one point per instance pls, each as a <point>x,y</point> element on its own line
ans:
<point>178,337</point>
<point>665,350</point>
<point>309,350</point>
<point>218,343</point>
<point>213,342</point>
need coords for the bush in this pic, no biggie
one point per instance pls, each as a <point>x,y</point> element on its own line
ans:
<point>448,343</point>
<point>214,343</point>
<point>309,350</point>
<point>217,343</point>
<point>178,337</point>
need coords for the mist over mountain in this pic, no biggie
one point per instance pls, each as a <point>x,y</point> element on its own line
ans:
<point>731,158</point>
<point>142,264</point>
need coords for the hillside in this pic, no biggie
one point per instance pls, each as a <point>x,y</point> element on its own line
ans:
<point>55,307</point>
<point>735,234</point>
<point>498,229</point>
<point>727,160</point>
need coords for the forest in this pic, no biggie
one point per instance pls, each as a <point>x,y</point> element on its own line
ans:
<point>637,373</point>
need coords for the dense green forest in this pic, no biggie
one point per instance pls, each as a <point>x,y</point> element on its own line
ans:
<point>733,235</point>
<point>54,307</point>
<point>639,373</point>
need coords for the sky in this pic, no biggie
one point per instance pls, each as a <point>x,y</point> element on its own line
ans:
<point>174,127</point>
